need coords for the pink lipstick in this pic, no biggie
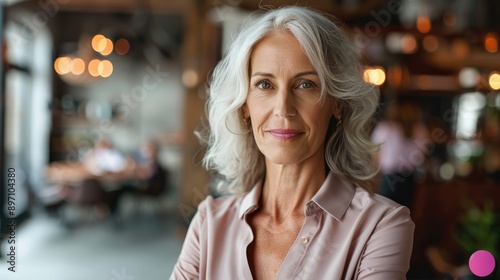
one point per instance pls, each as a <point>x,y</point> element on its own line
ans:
<point>285,134</point>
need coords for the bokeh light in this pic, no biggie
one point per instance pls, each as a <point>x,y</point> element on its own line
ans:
<point>408,44</point>
<point>446,171</point>
<point>423,24</point>
<point>468,77</point>
<point>190,78</point>
<point>108,47</point>
<point>105,68</point>
<point>77,66</point>
<point>375,76</point>
<point>93,67</point>
<point>491,42</point>
<point>98,43</point>
<point>494,80</point>
<point>482,263</point>
<point>62,65</point>
<point>393,42</point>
<point>122,46</point>
<point>430,43</point>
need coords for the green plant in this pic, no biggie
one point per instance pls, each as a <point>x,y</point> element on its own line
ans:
<point>479,229</point>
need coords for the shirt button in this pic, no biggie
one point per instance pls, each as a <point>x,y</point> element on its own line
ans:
<point>304,239</point>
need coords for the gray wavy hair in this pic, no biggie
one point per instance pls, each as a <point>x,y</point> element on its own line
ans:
<point>232,151</point>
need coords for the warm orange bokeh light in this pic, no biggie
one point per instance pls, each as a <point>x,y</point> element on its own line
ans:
<point>94,67</point>
<point>423,24</point>
<point>105,68</point>
<point>491,42</point>
<point>430,43</point>
<point>62,65</point>
<point>190,78</point>
<point>77,66</point>
<point>494,80</point>
<point>122,46</point>
<point>375,76</point>
<point>98,43</point>
<point>408,44</point>
<point>108,48</point>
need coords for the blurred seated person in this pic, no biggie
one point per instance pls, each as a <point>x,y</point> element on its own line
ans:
<point>152,177</point>
<point>103,158</point>
<point>404,147</point>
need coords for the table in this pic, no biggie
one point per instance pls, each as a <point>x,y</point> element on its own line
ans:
<point>73,173</point>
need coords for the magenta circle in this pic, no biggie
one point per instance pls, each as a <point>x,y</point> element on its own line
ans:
<point>482,263</point>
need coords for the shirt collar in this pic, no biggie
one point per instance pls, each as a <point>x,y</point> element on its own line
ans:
<point>250,201</point>
<point>334,197</point>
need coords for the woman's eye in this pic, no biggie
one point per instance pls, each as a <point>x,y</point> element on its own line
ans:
<point>306,85</point>
<point>263,84</point>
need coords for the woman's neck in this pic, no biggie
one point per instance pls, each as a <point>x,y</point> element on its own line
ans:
<point>287,188</point>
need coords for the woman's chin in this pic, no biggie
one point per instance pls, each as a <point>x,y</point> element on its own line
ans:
<point>284,159</point>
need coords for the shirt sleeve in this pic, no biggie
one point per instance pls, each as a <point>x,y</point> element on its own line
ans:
<point>388,251</point>
<point>188,263</point>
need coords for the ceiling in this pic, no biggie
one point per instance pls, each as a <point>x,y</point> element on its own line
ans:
<point>108,6</point>
<point>348,9</point>
<point>471,12</point>
<point>476,18</point>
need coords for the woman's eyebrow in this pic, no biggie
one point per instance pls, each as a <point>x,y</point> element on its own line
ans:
<point>306,73</point>
<point>265,74</point>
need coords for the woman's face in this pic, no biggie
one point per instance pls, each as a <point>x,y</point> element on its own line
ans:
<point>288,120</point>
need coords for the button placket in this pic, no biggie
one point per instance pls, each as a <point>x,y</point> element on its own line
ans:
<point>310,212</point>
<point>302,243</point>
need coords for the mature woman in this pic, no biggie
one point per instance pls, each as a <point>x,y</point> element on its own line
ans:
<point>289,115</point>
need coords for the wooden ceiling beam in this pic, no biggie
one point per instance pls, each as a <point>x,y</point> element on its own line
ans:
<point>112,6</point>
<point>363,8</point>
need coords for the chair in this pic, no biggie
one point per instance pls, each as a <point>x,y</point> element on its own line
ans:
<point>152,189</point>
<point>89,197</point>
<point>157,183</point>
<point>51,197</point>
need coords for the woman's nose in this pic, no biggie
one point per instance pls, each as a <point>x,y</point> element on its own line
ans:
<point>284,107</point>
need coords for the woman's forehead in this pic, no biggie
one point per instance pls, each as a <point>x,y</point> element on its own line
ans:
<point>279,50</point>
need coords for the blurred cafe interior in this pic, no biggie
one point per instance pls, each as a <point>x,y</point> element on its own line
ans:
<point>100,99</point>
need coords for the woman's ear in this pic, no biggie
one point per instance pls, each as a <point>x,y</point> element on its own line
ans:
<point>246,113</point>
<point>337,109</point>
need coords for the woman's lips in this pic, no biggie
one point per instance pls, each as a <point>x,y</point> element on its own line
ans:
<point>285,134</point>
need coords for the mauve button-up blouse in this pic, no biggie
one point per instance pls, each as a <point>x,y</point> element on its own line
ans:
<point>347,233</point>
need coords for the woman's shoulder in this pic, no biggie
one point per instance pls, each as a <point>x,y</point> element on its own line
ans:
<point>225,204</point>
<point>380,213</point>
<point>379,204</point>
